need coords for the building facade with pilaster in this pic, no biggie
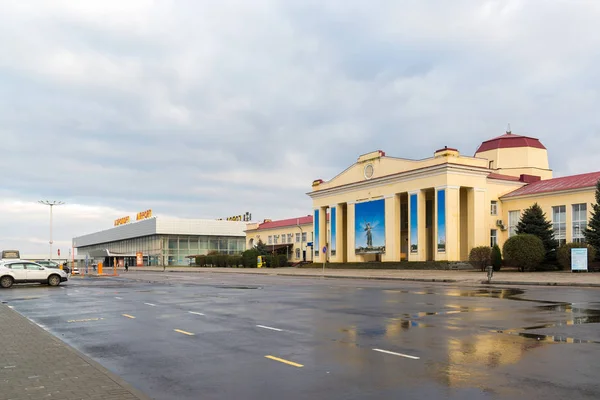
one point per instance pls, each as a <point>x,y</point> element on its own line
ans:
<point>437,209</point>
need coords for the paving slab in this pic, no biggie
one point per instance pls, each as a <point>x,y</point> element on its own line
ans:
<point>34,364</point>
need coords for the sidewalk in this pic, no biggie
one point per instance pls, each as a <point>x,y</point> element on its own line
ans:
<point>563,278</point>
<point>36,365</point>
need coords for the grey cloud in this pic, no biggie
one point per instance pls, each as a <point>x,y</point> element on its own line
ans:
<point>202,108</point>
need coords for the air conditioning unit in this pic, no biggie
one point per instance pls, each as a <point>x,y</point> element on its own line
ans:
<point>500,224</point>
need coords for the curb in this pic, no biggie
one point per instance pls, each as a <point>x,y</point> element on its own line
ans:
<point>115,378</point>
<point>391,278</point>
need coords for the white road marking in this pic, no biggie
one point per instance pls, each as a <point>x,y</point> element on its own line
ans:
<point>11,307</point>
<point>268,327</point>
<point>10,366</point>
<point>196,313</point>
<point>397,354</point>
<point>150,304</point>
<point>119,298</point>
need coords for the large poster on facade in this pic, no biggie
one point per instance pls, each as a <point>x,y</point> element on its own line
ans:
<point>332,222</point>
<point>316,229</point>
<point>369,221</point>
<point>414,227</point>
<point>441,221</point>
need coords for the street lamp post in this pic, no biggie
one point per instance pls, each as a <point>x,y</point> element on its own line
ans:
<point>51,204</point>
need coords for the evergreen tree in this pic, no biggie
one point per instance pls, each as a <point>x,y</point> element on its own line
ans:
<point>261,248</point>
<point>534,222</point>
<point>592,232</point>
<point>496,258</point>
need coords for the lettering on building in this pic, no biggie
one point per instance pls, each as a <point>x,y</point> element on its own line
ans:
<point>144,215</point>
<point>122,221</point>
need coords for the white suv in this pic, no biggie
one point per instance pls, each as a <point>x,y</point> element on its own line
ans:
<point>19,271</point>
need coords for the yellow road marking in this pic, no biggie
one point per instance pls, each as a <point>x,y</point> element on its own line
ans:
<point>128,316</point>
<point>85,320</point>
<point>285,361</point>
<point>184,332</point>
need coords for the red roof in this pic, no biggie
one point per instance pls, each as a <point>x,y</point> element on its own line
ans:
<point>557,184</point>
<point>503,177</point>
<point>308,219</point>
<point>508,140</point>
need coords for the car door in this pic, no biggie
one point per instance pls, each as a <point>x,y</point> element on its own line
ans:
<point>18,271</point>
<point>35,272</point>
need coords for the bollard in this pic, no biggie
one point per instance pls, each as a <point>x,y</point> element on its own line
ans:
<point>490,272</point>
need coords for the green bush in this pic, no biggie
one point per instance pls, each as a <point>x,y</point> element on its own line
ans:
<point>564,253</point>
<point>525,251</point>
<point>480,257</point>
<point>496,258</point>
<point>283,260</point>
<point>249,258</point>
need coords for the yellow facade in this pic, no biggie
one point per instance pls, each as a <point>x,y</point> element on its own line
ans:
<point>293,237</point>
<point>437,209</point>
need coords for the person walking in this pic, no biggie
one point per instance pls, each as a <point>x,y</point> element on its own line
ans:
<point>126,266</point>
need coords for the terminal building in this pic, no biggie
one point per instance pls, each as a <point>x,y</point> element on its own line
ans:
<point>158,241</point>
<point>386,209</point>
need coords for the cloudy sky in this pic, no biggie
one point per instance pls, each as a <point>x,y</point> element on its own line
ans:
<point>208,109</point>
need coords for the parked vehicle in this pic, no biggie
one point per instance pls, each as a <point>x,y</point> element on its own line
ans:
<point>19,271</point>
<point>52,264</point>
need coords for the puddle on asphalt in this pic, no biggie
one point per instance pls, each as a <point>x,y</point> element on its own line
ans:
<point>549,338</point>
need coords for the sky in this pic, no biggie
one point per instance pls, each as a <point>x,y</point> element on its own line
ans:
<point>206,109</point>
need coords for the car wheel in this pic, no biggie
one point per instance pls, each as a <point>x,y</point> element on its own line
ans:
<point>6,282</point>
<point>54,280</point>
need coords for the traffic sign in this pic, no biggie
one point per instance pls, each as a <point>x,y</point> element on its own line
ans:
<point>59,252</point>
<point>324,249</point>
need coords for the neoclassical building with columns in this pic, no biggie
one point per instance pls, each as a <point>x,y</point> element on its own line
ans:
<point>437,209</point>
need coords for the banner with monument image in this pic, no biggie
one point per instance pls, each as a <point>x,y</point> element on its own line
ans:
<point>369,223</point>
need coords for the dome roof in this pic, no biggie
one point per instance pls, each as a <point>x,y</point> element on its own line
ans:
<point>508,140</point>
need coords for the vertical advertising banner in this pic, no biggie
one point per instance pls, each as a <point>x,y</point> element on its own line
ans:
<point>369,225</point>
<point>139,259</point>
<point>441,220</point>
<point>414,224</point>
<point>316,227</point>
<point>333,223</point>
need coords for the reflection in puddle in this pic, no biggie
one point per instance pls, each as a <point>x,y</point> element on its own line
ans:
<point>469,358</point>
<point>549,338</point>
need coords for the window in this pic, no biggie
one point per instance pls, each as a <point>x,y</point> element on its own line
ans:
<point>297,253</point>
<point>494,208</point>
<point>493,237</point>
<point>579,222</point>
<point>491,165</point>
<point>513,221</point>
<point>283,238</point>
<point>297,237</point>
<point>290,238</point>
<point>276,239</point>
<point>270,239</point>
<point>559,224</point>
<point>304,236</point>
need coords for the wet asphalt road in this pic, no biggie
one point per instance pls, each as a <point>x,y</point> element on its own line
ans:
<point>225,336</point>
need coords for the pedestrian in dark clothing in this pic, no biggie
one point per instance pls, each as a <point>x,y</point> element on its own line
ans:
<point>126,266</point>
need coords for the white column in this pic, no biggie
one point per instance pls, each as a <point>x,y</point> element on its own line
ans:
<point>350,235</point>
<point>392,228</point>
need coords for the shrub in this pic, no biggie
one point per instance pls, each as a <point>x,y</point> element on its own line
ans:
<point>496,258</point>
<point>480,257</point>
<point>564,253</point>
<point>283,260</point>
<point>525,251</point>
<point>249,258</point>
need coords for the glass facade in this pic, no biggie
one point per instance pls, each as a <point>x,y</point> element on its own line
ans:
<point>173,249</point>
